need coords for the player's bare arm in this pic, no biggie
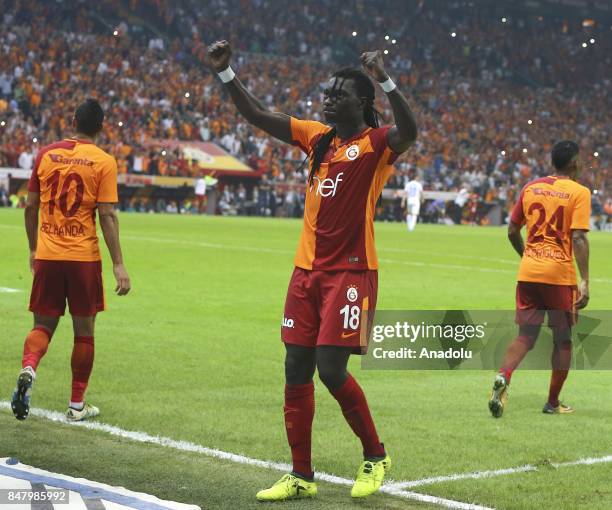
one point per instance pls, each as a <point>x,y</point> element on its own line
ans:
<point>252,109</point>
<point>110,229</point>
<point>515,238</point>
<point>403,134</point>
<point>31,223</point>
<point>580,244</point>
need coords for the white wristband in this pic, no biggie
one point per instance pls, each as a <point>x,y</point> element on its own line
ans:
<point>388,85</point>
<point>227,75</point>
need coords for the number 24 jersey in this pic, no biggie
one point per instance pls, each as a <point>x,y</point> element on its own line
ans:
<point>550,208</point>
<point>72,177</point>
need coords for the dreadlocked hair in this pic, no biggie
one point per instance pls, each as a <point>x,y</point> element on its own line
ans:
<point>365,90</point>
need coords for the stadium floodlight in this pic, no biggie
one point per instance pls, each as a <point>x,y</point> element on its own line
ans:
<point>592,41</point>
<point>393,41</point>
<point>596,154</point>
<point>387,38</point>
<point>354,33</point>
<point>584,45</point>
<point>504,19</point>
<point>453,34</point>
<point>386,52</point>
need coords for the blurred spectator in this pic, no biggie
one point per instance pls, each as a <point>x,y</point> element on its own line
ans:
<point>200,193</point>
<point>4,199</point>
<point>26,160</point>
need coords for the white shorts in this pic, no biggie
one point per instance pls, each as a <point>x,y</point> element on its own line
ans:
<point>413,208</point>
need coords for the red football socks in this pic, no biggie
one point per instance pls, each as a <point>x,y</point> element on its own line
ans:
<point>299,412</point>
<point>357,413</point>
<point>515,354</point>
<point>82,364</point>
<point>35,347</point>
<point>561,361</point>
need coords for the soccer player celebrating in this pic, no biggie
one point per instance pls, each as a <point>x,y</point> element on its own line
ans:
<point>556,212</point>
<point>332,292</point>
<point>70,179</point>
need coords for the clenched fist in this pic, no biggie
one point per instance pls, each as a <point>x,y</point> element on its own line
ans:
<point>219,55</point>
<point>372,62</point>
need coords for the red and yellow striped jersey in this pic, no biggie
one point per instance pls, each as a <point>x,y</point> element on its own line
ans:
<point>338,230</point>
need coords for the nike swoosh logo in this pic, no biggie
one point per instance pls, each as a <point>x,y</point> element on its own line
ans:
<point>344,335</point>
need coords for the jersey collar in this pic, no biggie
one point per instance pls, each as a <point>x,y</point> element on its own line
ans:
<point>79,140</point>
<point>339,143</point>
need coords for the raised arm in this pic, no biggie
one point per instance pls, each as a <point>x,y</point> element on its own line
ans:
<point>252,109</point>
<point>401,136</point>
<point>109,223</point>
<point>580,244</point>
<point>31,223</point>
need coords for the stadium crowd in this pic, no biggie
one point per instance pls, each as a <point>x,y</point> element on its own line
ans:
<point>491,91</point>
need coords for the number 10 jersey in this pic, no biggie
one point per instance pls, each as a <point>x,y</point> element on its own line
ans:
<point>72,177</point>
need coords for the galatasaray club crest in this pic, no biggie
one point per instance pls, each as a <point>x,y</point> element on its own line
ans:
<point>352,294</point>
<point>352,152</point>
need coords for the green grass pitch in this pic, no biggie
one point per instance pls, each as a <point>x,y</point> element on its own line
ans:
<point>193,353</point>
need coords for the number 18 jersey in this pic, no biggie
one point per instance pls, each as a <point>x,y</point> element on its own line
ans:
<point>550,208</point>
<point>72,177</point>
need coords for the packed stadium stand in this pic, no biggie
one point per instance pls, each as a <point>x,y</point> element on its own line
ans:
<point>493,85</point>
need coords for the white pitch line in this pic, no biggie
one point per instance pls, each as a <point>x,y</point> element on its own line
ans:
<point>256,249</point>
<point>9,290</point>
<point>464,476</point>
<point>209,245</point>
<point>588,461</point>
<point>291,252</point>
<point>455,255</point>
<point>143,437</point>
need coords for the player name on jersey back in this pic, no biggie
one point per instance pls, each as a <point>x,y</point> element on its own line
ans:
<point>76,230</point>
<point>550,208</point>
<point>72,176</point>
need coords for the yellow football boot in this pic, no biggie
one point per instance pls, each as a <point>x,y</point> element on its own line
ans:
<point>288,487</point>
<point>499,396</point>
<point>370,477</point>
